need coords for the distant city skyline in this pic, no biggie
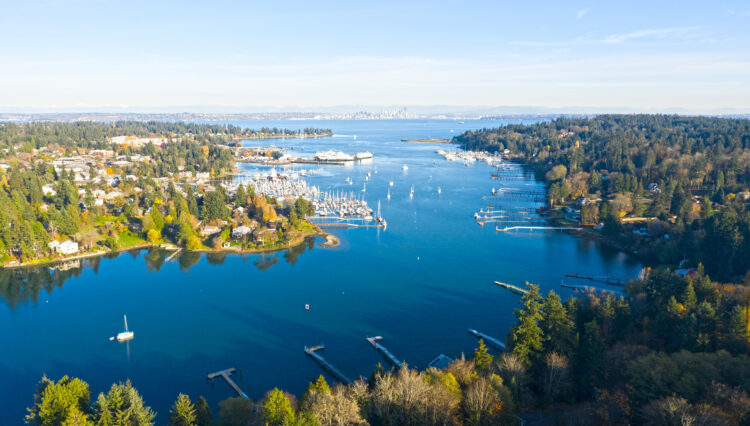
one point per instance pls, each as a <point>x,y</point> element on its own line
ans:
<point>226,57</point>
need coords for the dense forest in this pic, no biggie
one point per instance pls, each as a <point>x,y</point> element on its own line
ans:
<point>672,351</point>
<point>96,135</point>
<point>687,177</point>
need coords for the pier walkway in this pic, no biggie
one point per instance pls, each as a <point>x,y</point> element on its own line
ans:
<point>392,358</point>
<point>543,228</point>
<point>489,339</point>
<point>325,364</point>
<point>225,374</point>
<point>512,288</point>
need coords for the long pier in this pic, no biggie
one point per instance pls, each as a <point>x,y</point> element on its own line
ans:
<point>225,374</point>
<point>325,364</point>
<point>392,358</point>
<point>489,339</point>
<point>543,228</point>
<point>602,279</point>
<point>512,288</point>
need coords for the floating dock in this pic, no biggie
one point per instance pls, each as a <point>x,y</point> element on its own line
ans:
<point>543,228</point>
<point>489,339</point>
<point>225,374</point>
<point>603,279</point>
<point>512,288</point>
<point>587,288</point>
<point>325,364</point>
<point>392,358</point>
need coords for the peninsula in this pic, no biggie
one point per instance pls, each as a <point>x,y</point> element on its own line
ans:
<point>72,190</point>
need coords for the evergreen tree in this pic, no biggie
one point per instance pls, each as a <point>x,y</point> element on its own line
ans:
<point>482,358</point>
<point>191,201</point>
<point>203,414</point>
<point>556,326</point>
<point>526,337</point>
<point>240,197</point>
<point>64,402</point>
<point>183,412</point>
<point>277,410</point>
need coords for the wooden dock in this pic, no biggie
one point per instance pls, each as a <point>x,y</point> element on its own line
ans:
<point>512,288</point>
<point>225,374</point>
<point>325,364</point>
<point>389,356</point>
<point>541,228</point>
<point>489,339</point>
<point>602,279</point>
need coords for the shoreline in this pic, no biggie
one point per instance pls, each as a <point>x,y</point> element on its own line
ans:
<point>330,241</point>
<point>428,140</point>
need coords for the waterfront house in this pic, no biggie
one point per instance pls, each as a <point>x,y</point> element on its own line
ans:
<point>209,230</point>
<point>241,231</point>
<point>65,247</point>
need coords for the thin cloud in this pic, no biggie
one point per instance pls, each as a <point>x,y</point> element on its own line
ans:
<point>581,13</point>
<point>661,33</point>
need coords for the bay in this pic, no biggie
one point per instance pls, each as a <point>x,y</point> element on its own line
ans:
<point>420,284</point>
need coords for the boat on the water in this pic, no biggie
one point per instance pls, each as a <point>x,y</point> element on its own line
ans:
<point>363,155</point>
<point>404,167</point>
<point>127,334</point>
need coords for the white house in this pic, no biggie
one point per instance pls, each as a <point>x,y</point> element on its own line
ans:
<point>209,230</point>
<point>241,231</point>
<point>66,247</point>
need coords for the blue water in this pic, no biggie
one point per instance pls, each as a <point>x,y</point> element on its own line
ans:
<point>420,284</point>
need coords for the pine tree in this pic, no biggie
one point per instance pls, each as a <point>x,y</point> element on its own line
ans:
<point>203,414</point>
<point>482,358</point>
<point>182,412</point>
<point>526,336</point>
<point>277,410</point>
<point>192,202</point>
<point>556,326</point>
<point>240,197</point>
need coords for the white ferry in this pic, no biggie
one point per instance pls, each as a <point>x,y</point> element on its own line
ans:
<point>333,156</point>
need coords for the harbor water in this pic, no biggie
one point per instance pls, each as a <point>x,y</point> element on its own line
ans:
<point>420,283</point>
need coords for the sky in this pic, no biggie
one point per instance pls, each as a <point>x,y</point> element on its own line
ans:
<point>99,55</point>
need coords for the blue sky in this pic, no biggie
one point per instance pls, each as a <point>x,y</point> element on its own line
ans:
<point>636,55</point>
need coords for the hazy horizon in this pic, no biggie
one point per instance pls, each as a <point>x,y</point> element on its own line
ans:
<point>583,57</point>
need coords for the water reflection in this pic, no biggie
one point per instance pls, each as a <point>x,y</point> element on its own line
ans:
<point>22,286</point>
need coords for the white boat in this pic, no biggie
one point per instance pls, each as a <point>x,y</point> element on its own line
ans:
<point>411,193</point>
<point>127,334</point>
<point>363,155</point>
<point>404,167</point>
<point>364,187</point>
<point>389,193</point>
<point>390,183</point>
<point>333,156</point>
<point>439,190</point>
